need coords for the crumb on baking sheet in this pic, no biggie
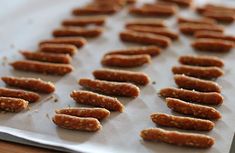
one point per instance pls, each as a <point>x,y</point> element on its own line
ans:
<point>4,61</point>
<point>55,100</point>
<point>50,97</point>
<point>154,82</point>
<point>47,115</point>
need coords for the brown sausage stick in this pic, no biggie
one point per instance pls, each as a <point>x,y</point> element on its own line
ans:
<point>208,98</point>
<point>77,41</point>
<point>180,3</point>
<point>155,10</point>
<point>46,57</point>
<point>160,5</point>
<point>97,100</point>
<point>125,60</point>
<point>219,7</point>
<point>93,11</point>
<point>77,31</point>
<point>214,35</point>
<point>212,45</point>
<point>198,71</point>
<point>42,67</point>
<point>12,104</point>
<point>195,110</point>
<point>58,49</point>
<point>206,61</point>
<point>207,31</point>
<point>197,21</point>
<point>216,8</point>
<point>85,21</point>
<point>155,30</point>
<point>77,123</point>
<point>221,16</point>
<point>192,83</point>
<point>190,28</point>
<point>98,113</point>
<point>100,3</point>
<point>177,138</point>
<point>131,1</point>
<point>145,38</point>
<point>186,123</point>
<point>150,50</point>
<point>138,78</point>
<point>111,88</point>
<point>151,22</point>
<point>163,9</point>
<point>33,84</point>
<point>16,93</point>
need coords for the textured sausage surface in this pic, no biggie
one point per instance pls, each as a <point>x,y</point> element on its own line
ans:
<point>207,98</point>
<point>98,113</point>
<point>98,100</point>
<point>195,110</point>
<point>33,84</point>
<point>192,83</point>
<point>177,138</point>
<point>186,123</point>
<point>121,76</point>
<point>125,60</point>
<point>77,123</point>
<point>12,104</point>
<point>110,88</point>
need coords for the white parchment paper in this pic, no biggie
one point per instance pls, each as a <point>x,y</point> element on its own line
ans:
<point>23,23</point>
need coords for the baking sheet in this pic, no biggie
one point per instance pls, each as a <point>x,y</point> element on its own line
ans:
<point>25,22</point>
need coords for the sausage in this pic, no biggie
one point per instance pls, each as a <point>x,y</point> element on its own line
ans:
<point>153,10</point>
<point>98,113</point>
<point>98,100</point>
<point>33,84</point>
<point>191,28</point>
<point>186,123</point>
<point>180,3</point>
<point>206,61</point>
<point>192,83</point>
<point>195,110</point>
<point>151,22</point>
<point>196,21</point>
<point>16,93</point>
<point>212,45</point>
<point>150,50</point>
<point>208,98</point>
<point>85,21</point>
<point>77,41</point>
<point>145,38</point>
<point>77,31</point>
<point>121,76</point>
<point>13,104</point>
<point>126,61</point>
<point>77,123</point>
<point>155,30</point>
<point>46,57</point>
<point>177,138</point>
<point>42,67</point>
<point>111,88</point>
<point>58,49</point>
<point>198,71</point>
<point>214,35</point>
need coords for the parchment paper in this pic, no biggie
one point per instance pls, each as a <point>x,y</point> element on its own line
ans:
<point>25,22</point>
